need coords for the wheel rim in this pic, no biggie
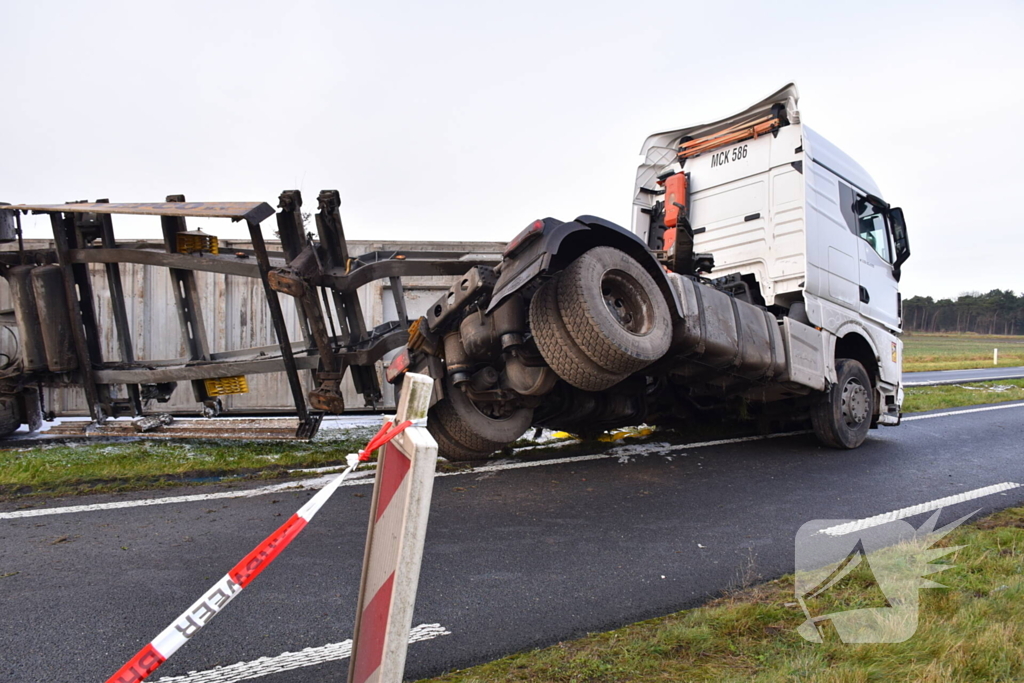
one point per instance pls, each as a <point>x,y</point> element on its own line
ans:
<point>627,302</point>
<point>497,411</point>
<point>856,403</point>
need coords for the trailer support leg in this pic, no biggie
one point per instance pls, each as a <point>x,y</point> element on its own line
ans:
<point>293,241</point>
<point>327,394</point>
<point>124,333</point>
<point>398,293</point>
<point>350,311</point>
<point>307,423</point>
<point>83,317</point>
<point>190,315</point>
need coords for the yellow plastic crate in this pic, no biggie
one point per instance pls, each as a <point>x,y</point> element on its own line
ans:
<point>222,386</point>
<point>196,241</point>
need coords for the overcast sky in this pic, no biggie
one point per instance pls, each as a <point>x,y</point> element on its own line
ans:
<point>459,120</point>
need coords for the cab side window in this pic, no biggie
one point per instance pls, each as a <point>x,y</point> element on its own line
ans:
<point>847,206</point>
<point>865,220</point>
<point>871,228</point>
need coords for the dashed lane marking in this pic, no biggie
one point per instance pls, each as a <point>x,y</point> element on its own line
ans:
<point>885,518</point>
<point>948,413</point>
<point>286,661</point>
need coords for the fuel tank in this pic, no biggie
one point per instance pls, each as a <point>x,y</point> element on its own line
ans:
<point>720,332</point>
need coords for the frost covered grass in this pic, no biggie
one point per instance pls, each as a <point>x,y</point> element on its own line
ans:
<point>81,467</point>
<point>75,467</point>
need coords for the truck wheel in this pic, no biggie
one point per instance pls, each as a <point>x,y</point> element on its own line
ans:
<point>614,310</point>
<point>10,415</point>
<point>451,449</point>
<point>842,416</point>
<point>464,431</point>
<point>559,349</point>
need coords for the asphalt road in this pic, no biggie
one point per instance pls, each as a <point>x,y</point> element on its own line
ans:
<point>515,559</point>
<point>912,379</point>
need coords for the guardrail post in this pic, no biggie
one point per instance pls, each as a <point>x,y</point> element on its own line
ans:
<point>394,542</point>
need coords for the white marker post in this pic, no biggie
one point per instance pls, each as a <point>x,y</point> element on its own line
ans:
<point>995,356</point>
<point>394,542</point>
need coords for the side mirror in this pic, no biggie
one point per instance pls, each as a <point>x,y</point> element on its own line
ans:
<point>900,240</point>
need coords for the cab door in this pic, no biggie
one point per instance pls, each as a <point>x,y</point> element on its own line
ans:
<point>879,289</point>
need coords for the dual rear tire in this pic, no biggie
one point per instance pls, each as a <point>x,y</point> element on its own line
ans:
<point>600,320</point>
<point>595,323</point>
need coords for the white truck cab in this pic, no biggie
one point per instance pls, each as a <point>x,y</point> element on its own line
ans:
<point>797,220</point>
<point>759,282</point>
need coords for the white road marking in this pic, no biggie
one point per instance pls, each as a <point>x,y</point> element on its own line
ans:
<point>878,520</point>
<point>934,382</point>
<point>286,661</point>
<point>320,482</point>
<point>963,412</point>
<point>308,484</point>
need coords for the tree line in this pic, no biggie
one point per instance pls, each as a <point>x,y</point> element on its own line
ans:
<point>997,312</point>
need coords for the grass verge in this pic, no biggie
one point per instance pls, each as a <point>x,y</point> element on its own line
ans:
<point>919,399</point>
<point>973,630</point>
<point>77,467</point>
<point>923,352</point>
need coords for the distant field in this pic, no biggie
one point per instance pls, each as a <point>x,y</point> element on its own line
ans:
<point>959,351</point>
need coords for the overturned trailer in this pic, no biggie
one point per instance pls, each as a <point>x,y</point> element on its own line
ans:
<point>54,308</point>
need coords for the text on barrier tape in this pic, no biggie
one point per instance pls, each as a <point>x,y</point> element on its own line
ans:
<point>157,651</point>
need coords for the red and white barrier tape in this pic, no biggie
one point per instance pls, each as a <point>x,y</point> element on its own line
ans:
<point>157,651</point>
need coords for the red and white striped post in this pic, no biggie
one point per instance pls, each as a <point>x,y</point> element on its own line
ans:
<point>394,542</point>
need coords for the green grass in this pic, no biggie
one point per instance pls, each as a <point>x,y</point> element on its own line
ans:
<point>971,631</point>
<point>73,468</point>
<point>959,351</point>
<point>918,399</point>
<point>91,467</point>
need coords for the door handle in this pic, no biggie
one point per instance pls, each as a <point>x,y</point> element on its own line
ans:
<point>865,297</point>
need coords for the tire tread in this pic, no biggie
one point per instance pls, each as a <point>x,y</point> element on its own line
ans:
<point>449,448</point>
<point>580,313</point>
<point>826,414</point>
<point>459,431</point>
<point>558,348</point>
